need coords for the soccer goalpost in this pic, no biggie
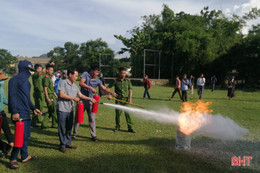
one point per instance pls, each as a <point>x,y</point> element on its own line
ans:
<point>157,63</point>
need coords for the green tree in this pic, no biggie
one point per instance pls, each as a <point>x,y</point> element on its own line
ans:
<point>197,41</point>
<point>58,55</point>
<point>94,52</point>
<point>84,55</point>
<point>7,61</point>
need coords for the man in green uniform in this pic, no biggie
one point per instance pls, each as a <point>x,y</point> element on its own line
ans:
<point>37,92</point>
<point>123,89</point>
<point>50,97</point>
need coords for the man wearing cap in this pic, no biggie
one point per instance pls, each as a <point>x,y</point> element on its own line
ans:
<point>5,126</point>
<point>19,106</point>
<point>37,92</point>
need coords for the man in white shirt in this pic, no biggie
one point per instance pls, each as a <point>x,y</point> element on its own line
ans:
<point>200,83</point>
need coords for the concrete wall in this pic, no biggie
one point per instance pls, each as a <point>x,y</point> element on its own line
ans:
<point>139,81</point>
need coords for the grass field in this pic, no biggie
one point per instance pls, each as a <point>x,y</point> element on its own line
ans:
<point>151,149</point>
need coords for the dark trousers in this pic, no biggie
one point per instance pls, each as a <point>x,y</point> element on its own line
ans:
<point>200,91</point>
<point>213,87</point>
<point>184,96</point>
<point>7,132</point>
<point>3,146</point>
<point>175,91</point>
<point>27,132</point>
<point>6,128</point>
<point>146,92</point>
<point>65,123</point>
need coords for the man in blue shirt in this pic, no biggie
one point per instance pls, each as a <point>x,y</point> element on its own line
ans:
<point>184,87</point>
<point>89,82</point>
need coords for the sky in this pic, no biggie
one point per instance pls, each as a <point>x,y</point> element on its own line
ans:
<point>34,27</point>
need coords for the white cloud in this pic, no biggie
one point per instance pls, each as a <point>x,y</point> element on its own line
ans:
<point>246,7</point>
<point>241,9</point>
<point>43,24</point>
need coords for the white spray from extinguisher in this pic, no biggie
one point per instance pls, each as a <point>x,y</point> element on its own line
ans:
<point>219,127</point>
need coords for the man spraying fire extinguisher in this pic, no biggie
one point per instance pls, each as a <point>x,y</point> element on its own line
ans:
<point>19,106</point>
<point>89,82</point>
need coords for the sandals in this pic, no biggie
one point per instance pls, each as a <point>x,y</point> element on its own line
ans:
<point>14,165</point>
<point>32,158</point>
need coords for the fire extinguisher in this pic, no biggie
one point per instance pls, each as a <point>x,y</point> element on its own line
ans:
<point>95,105</point>
<point>19,133</point>
<point>80,115</point>
<point>1,122</point>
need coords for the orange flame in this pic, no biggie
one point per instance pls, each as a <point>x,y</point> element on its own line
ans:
<point>193,116</point>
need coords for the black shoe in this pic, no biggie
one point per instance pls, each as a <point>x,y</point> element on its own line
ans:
<point>95,139</point>
<point>131,131</point>
<point>116,130</point>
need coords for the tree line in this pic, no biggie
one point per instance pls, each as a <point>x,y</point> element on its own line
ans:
<point>86,54</point>
<point>209,42</point>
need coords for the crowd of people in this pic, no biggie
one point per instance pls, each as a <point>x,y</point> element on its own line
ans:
<point>183,85</point>
<point>59,92</point>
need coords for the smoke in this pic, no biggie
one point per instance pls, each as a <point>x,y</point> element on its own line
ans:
<point>218,127</point>
<point>222,128</point>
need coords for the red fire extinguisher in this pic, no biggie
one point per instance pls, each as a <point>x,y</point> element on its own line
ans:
<point>19,133</point>
<point>80,113</point>
<point>1,122</point>
<point>95,105</point>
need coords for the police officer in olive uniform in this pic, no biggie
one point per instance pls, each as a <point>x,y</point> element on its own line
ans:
<point>37,92</point>
<point>123,88</point>
<point>50,97</point>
